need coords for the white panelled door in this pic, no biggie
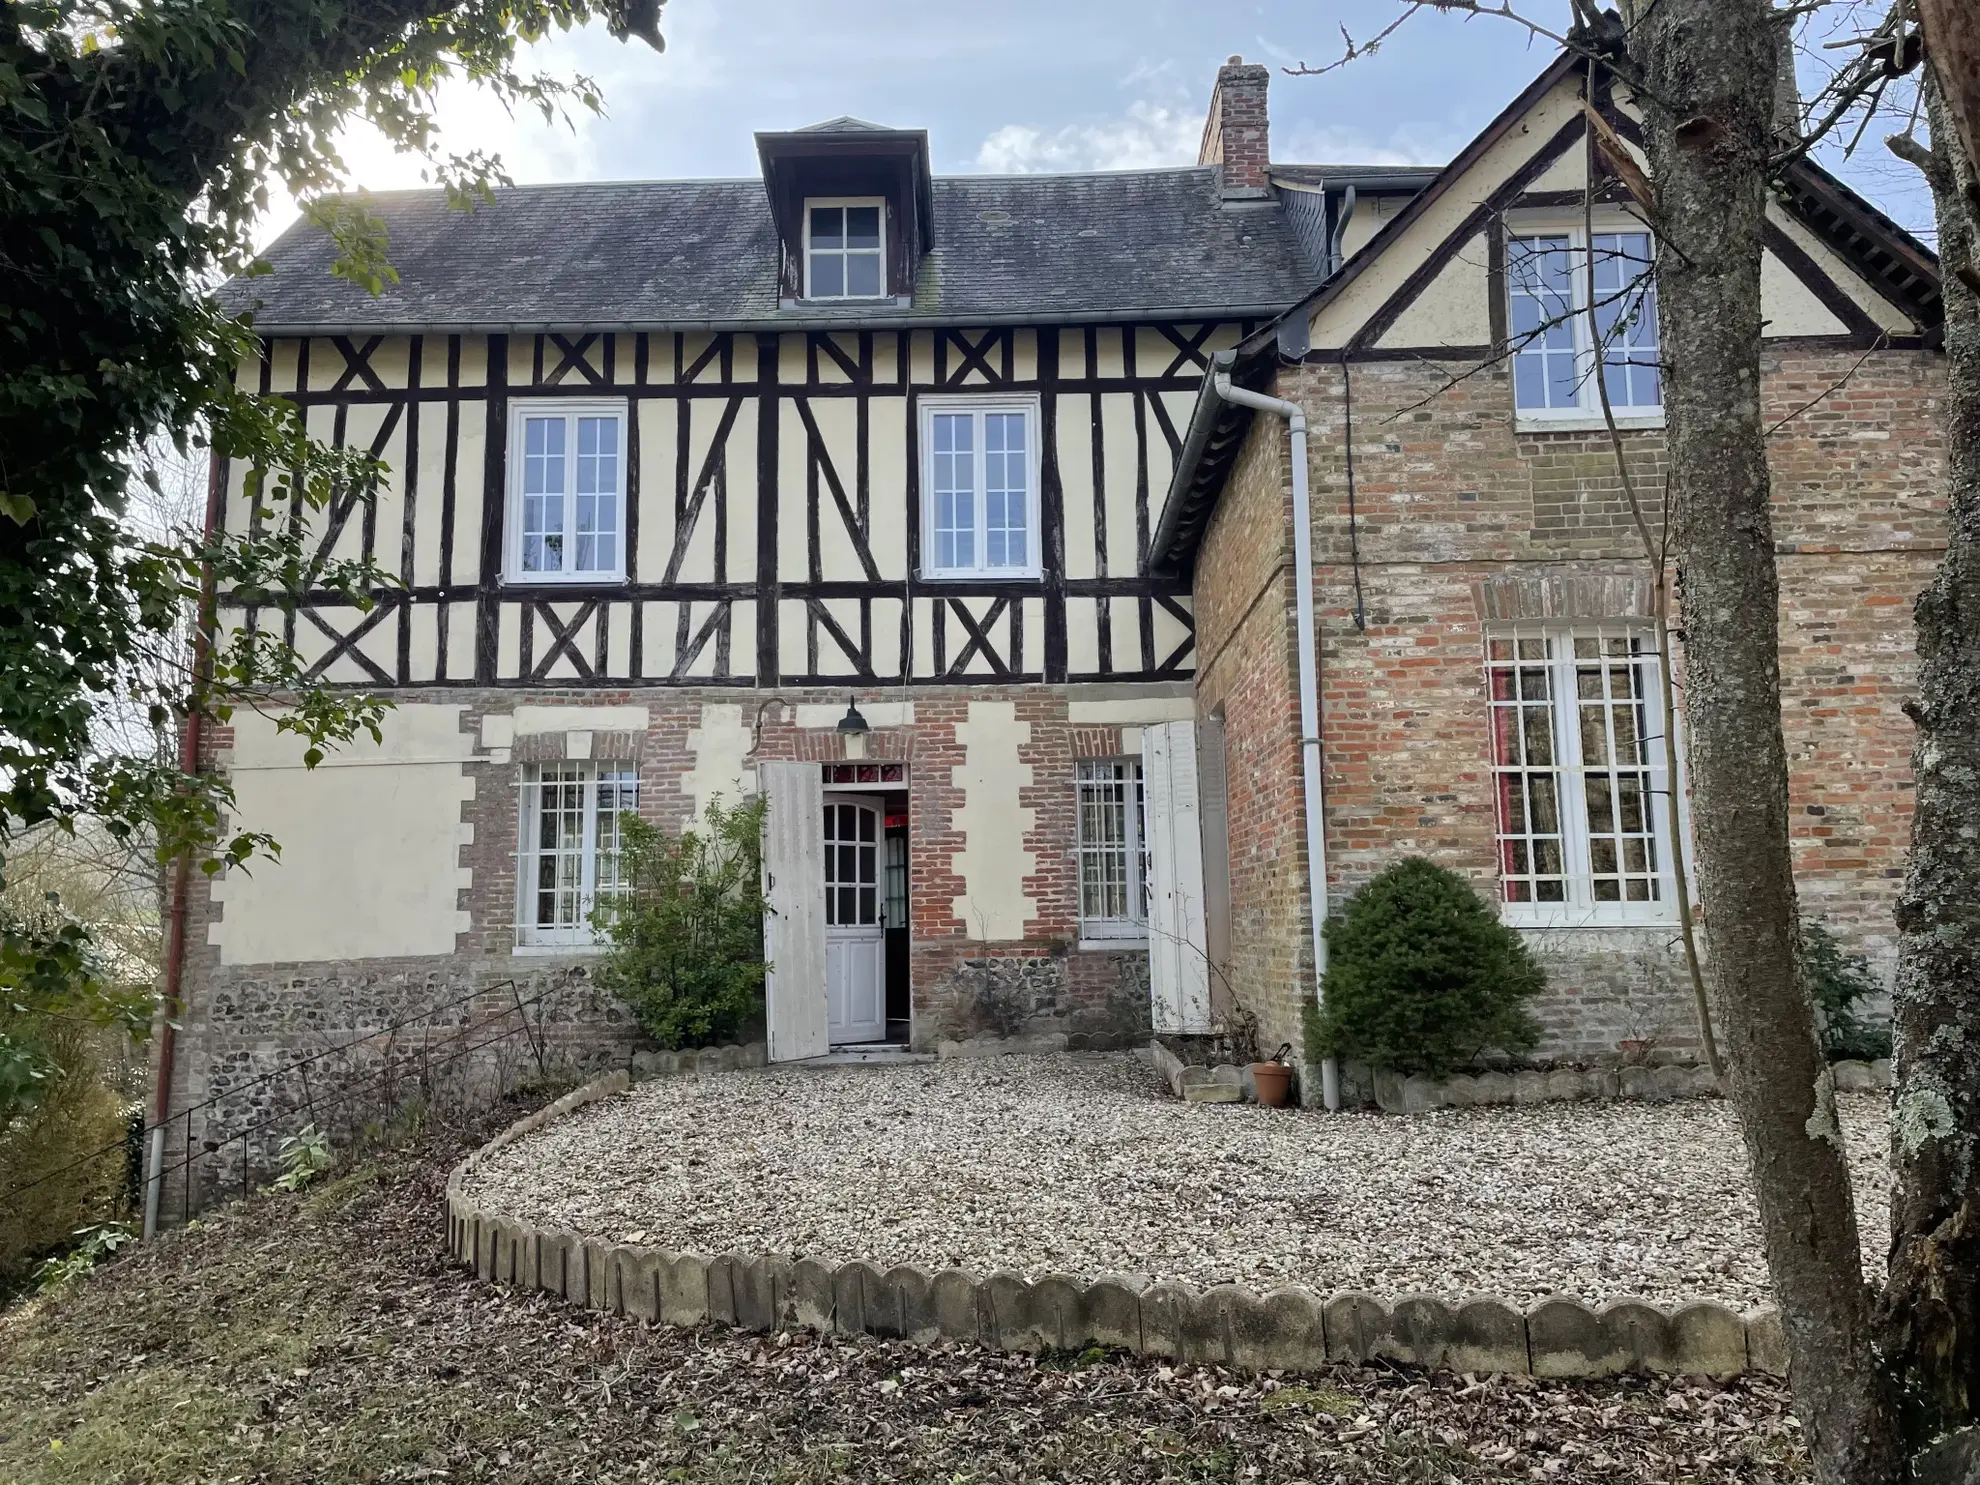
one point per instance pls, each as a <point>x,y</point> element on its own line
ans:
<point>855,936</point>
<point>1178,946</point>
<point>794,932</point>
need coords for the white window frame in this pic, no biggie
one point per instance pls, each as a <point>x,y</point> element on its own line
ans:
<point>845,201</point>
<point>530,934</point>
<point>570,409</point>
<point>1587,409</point>
<point>1132,929</point>
<point>979,571</point>
<point>1570,773</point>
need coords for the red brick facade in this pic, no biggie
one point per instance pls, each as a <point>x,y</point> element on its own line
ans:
<point>1450,500</point>
<point>1237,135</point>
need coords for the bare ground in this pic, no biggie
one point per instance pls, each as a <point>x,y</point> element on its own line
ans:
<point>323,1338</point>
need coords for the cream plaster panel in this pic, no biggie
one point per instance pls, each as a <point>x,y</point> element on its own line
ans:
<point>1083,635</point>
<point>1075,440</point>
<point>522,360</point>
<point>534,719</point>
<point>474,360</point>
<point>1107,361</point>
<point>1881,310</point>
<point>1454,307</point>
<point>921,357</point>
<point>838,433</point>
<point>431,462</point>
<point>468,460</point>
<point>722,769</point>
<point>1117,428</point>
<point>371,841</point>
<point>1024,356</point>
<point>1131,742</point>
<point>1131,711</point>
<point>793,540</point>
<point>812,717</point>
<point>433,361</point>
<point>423,650</point>
<point>1337,322</point>
<point>887,484</point>
<point>658,435</point>
<point>1789,307</point>
<point>460,640</point>
<point>993,862</point>
<point>1568,173</point>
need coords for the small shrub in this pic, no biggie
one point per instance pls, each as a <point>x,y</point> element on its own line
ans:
<point>1422,976</point>
<point>64,1160</point>
<point>92,1245</point>
<point>687,938</point>
<point>1840,982</point>
<point>1000,1003</point>
<point>303,1156</point>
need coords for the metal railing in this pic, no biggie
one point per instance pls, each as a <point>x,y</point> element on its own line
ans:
<point>375,1068</point>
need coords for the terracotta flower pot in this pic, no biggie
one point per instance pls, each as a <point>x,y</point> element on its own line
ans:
<point>1273,1081</point>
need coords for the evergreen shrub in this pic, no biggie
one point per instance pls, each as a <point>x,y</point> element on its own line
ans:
<point>1422,976</point>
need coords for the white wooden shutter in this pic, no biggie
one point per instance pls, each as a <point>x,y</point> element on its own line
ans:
<point>1212,774</point>
<point>1178,962</point>
<point>794,922</point>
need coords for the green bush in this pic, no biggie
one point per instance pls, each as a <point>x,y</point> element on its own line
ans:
<point>1839,981</point>
<point>687,938</point>
<point>1422,976</point>
<point>51,1150</point>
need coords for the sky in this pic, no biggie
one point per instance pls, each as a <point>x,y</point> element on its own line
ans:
<point>1027,85</point>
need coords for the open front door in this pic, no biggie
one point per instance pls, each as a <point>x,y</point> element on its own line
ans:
<point>1178,948</point>
<point>794,922</point>
<point>855,936</point>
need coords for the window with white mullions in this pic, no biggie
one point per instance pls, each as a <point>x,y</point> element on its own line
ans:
<point>1559,327</point>
<point>1579,758</point>
<point>980,482</point>
<point>570,847</point>
<point>1113,852</point>
<point>567,492</point>
<point>845,254</point>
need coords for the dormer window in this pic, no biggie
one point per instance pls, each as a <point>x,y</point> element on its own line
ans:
<point>844,248</point>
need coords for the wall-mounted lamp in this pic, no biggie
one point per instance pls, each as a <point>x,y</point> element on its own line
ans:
<point>852,731</point>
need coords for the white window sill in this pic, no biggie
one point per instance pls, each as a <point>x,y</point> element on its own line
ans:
<point>559,951</point>
<point>1101,945</point>
<point>987,575</point>
<point>559,579</point>
<point>1586,423</point>
<point>1529,923</point>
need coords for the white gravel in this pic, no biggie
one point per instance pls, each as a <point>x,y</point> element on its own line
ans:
<point>1081,1164</point>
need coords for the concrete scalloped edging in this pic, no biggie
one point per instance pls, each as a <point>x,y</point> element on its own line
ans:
<point>1290,1328</point>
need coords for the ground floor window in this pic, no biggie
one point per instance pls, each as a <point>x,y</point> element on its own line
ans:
<point>1579,757</point>
<point>1113,850</point>
<point>570,846</point>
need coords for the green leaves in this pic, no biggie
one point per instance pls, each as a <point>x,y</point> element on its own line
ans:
<point>687,939</point>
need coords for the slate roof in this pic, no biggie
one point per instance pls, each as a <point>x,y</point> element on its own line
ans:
<point>703,254</point>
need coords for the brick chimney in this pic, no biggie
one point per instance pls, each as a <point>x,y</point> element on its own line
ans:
<point>1236,136</point>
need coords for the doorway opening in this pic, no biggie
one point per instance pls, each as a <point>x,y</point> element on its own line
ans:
<point>868,1001</point>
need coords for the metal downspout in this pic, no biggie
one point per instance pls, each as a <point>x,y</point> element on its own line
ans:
<point>1309,696</point>
<point>164,1028</point>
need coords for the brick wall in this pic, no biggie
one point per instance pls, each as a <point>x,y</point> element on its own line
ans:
<point>1449,497</point>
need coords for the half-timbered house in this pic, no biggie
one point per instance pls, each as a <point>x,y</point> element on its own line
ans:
<point>910,503</point>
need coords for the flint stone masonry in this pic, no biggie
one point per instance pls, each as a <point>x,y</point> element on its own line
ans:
<point>1290,1328</point>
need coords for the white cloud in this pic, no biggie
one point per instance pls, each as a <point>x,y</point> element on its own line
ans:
<point>1146,136</point>
<point>1408,144</point>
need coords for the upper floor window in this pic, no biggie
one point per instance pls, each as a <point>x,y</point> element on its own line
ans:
<point>1559,329</point>
<point>567,499</point>
<point>845,255</point>
<point>570,847</point>
<point>980,478</point>
<point>1579,753</point>
<point>1113,849</point>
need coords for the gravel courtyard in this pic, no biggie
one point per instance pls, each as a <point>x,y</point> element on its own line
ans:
<point>1082,1164</point>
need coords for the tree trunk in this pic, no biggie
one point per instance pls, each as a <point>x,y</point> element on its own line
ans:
<point>1932,1303</point>
<point>1709,67</point>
